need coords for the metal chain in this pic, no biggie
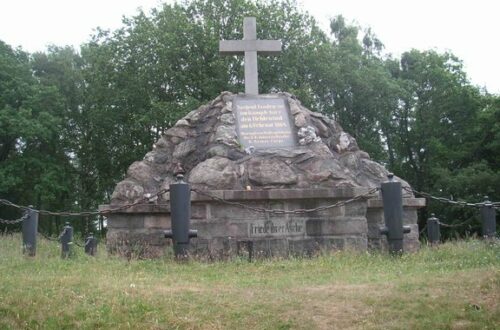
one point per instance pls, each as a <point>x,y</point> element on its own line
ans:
<point>78,244</point>
<point>58,239</point>
<point>496,205</point>
<point>53,239</point>
<point>455,225</point>
<point>448,225</point>
<point>281,211</point>
<point>13,222</point>
<point>86,213</point>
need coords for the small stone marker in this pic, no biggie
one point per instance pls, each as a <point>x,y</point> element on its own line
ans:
<point>249,46</point>
<point>263,122</point>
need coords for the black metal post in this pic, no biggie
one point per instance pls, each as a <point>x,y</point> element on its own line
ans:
<point>66,241</point>
<point>250,251</point>
<point>91,245</point>
<point>180,212</point>
<point>392,198</point>
<point>433,230</point>
<point>30,229</point>
<point>488,215</point>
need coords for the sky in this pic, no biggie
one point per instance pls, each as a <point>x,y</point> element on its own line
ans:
<point>469,29</point>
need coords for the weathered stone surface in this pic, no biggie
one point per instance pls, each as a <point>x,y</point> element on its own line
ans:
<point>160,157</point>
<point>341,226</point>
<point>230,212</point>
<point>355,209</point>
<point>194,115</point>
<point>226,134</point>
<point>127,190</point>
<point>307,135</point>
<point>327,156</point>
<point>162,143</point>
<point>228,118</point>
<point>183,149</point>
<point>300,120</point>
<point>353,226</point>
<point>156,221</point>
<point>217,172</point>
<point>218,150</point>
<point>198,211</point>
<point>131,222</point>
<point>325,168</point>
<point>323,130</point>
<point>140,171</point>
<point>410,241</point>
<point>263,172</point>
<point>294,107</point>
<point>177,131</point>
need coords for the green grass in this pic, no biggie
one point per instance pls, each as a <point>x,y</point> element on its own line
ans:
<point>454,286</point>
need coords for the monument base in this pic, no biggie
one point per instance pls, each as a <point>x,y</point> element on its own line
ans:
<point>226,231</point>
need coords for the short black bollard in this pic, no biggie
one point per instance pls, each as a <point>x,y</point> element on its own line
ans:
<point>433,230</point>
<point>30,229</point>
<point>180,211</point>
<point>66,239</point>
<point>91,245</point>
<point>243,246</point>
<point>488,215</point>
<point>392,198</point>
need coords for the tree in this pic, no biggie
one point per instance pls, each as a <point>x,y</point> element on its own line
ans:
<point>435,132</point>
<point>361,91</point>
<point>34,168</point>
<point>143,77</point>
<point>71,124</point>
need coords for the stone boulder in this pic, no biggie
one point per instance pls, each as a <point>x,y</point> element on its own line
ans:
<point>205,143</point>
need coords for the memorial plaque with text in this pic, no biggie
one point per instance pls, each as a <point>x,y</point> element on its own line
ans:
<point>276,227</point>
<point>264,122</point>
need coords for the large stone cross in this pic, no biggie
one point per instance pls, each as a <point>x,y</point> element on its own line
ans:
<point>250,46</point>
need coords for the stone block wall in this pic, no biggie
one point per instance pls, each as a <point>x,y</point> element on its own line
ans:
<point>229,230</point>
<point>375,219</point>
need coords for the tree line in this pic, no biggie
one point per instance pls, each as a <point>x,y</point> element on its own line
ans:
<point>71,122</point>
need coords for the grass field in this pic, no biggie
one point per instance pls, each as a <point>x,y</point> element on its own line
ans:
<point>454,286</point>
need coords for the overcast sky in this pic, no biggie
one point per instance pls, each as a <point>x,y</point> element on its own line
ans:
<point>469,29</point>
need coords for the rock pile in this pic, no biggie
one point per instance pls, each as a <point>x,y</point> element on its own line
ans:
<point>205,143</point>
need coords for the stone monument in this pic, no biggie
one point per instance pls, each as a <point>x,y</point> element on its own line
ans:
<point>245,153</point>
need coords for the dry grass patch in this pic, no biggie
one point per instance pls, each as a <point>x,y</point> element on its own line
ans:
<point>336,306</point>
<point>452,287</point>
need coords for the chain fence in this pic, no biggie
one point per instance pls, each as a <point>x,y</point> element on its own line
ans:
<point>455,225</point>
<point>146,199</point>
<point>50,238</point>
<point>13,222</point>
<point>281,211</point>
<point>58,238</point>
<point>150,198</point>
<point>26,209</point>
<point>66,238</point>
<point>78,244</point>
<point>495,205</point>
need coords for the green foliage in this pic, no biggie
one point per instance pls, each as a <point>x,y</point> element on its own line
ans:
<point>440,134</point>
<point>35,166</point>
<point>72,122</point>
<point>143,77</point>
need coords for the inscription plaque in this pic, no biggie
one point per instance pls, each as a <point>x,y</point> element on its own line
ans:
<point>277,227</point>
<point>264,122</point>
